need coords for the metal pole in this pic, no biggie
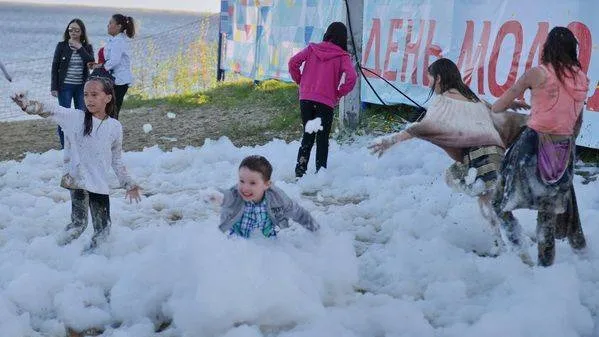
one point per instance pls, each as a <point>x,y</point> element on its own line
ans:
<point>220,73</point>
<point>350,105</point>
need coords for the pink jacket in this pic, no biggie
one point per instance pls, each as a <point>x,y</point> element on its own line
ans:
<point>324,63</point>
<point>556,106</point>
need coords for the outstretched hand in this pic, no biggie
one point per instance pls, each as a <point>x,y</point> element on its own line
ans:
<point>20,99</point>
<point>216,198</point>
<point>381,146</point>
<point>133,194</point>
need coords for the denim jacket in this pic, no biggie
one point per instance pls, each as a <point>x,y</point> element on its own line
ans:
<point>280,209</point>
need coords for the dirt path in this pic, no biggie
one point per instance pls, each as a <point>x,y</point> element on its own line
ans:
<point>188,127</point>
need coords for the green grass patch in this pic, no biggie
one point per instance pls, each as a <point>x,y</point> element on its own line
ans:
<point>588,155</point>
<point>283,122</point>
<point>282,99</point>
<point>227,95</point>
<point>386,119</point>
<point>378,120</point>
<point>278,99</point>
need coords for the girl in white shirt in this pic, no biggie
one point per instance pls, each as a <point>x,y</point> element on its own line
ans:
<point>93,143</point>
<point>117,53</point>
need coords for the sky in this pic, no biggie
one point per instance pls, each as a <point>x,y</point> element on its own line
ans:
<point>188,5</point>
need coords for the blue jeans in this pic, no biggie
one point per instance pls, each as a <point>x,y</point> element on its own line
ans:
<point>66,94</point>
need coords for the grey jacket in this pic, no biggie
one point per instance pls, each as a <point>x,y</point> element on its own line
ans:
<point>280,209</point>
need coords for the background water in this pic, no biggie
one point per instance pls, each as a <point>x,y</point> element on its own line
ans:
<point>30,31</point>
<point>29,34</point>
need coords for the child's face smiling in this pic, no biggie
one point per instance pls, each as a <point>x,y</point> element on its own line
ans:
<point>251,185</point>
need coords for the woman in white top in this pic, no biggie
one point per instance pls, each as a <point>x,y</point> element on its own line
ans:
<point>117,53</point>
<point>93,143</point>
<point>462,125</point>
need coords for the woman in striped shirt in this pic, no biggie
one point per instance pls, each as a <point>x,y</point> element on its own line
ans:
<point>69,68</point>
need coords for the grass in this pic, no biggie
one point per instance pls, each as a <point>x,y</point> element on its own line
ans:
<point>282,99</point>
<point>588,155</point>
<point>164,65</point>
<point>228,95</point>
<point>278,99</point>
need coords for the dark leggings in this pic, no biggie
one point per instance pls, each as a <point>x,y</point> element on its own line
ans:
<point>119,92</point>
<point>99,206</point>
<point>311,110</point>
<point>550,225</point>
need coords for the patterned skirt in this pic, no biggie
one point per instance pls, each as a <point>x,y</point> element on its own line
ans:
<point>520,186</point>
<point>477,173</point>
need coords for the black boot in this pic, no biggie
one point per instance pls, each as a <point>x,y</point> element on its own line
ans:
<point>301,165</point>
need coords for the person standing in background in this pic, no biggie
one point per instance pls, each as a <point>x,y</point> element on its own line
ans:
<point>117,54</point>
<point>69,68</point>
<point>318,70</point>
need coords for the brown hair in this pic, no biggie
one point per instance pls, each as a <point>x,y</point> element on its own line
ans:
<point>108,89</point>
<point>560,50</point>
<point>127,24</point>
<point>337,34</point>
<point>258,164</point>
<point>449,78</point>
<point>83,37</point>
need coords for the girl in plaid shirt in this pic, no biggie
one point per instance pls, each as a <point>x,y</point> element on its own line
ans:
<point>255,205</point>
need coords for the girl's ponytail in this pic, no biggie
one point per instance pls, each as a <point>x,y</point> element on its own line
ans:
<point>127,24</point>
<point>130,27</point>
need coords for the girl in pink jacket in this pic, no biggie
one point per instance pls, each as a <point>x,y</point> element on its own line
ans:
<point>320,89</point>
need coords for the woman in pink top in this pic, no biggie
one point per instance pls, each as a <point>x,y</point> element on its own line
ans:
<point>320,89</point>
<point>537,170</point>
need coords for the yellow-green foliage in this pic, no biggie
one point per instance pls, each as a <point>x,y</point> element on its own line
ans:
<point>190,69</point>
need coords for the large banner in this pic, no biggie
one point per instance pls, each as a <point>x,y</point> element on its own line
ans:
<point>493,42</point>
<point>262,35</point>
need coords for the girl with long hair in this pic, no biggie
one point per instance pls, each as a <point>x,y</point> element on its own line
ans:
<point>93,144</point>
<point>538,169</point>
<point>69,68</point>
<point>117,56</point>
<point>462,125</point>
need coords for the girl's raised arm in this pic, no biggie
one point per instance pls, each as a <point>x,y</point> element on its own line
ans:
<point>530,79</point>
<point>62,116</point>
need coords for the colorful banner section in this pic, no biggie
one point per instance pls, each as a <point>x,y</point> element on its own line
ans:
<point>263,35</point>
<point>493,42</point>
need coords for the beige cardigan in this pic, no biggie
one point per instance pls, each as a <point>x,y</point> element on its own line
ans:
<point>455,125</point>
